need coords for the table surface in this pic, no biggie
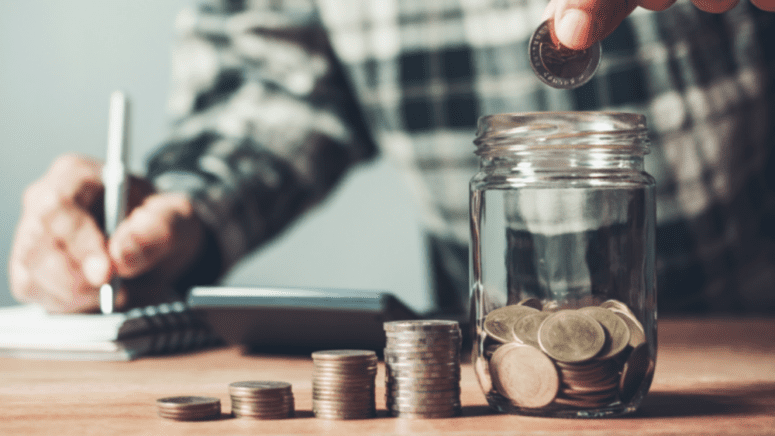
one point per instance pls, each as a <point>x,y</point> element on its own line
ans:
<point>713,377</point>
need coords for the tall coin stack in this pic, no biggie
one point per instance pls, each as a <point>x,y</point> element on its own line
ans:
<point>343,384</point>
<point>261,399</point>
<point>422,368</point>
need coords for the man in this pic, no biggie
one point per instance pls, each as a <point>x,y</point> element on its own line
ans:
<point>275,102</point>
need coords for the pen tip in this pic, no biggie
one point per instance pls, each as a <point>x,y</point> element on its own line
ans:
<point>106,299</point>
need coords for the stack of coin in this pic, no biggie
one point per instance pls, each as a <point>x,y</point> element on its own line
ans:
<point>189,408</point>
<point>422,368</point>
<point>585,358</point>
<point>343,384</point>
<point>261,399</point>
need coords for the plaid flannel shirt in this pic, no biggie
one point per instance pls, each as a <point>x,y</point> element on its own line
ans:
<point>274,100</point>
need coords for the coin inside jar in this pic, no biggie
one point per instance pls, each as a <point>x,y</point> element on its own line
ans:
<point>524,375</point>
<point>569,336</point>
<point>499,324</point>
<point>558,66</point>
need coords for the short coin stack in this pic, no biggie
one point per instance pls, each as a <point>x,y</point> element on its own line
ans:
<point>189,408</point>
<point>261,399</point>
<point>343,384</point>
<point>422,368</point>
<point>584,358</point>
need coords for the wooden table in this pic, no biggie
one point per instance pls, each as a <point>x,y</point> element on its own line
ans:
<point>713,377</point>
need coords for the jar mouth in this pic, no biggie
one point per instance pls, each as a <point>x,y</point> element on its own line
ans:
<point>510,133</point>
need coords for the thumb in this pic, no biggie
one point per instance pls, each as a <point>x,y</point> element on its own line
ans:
<point>148,235</point>
<point>581,23</point>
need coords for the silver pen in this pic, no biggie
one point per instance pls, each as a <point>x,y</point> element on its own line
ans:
<point>115,181</point>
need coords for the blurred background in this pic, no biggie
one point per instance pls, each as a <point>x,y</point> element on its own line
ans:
<point>59,62</point>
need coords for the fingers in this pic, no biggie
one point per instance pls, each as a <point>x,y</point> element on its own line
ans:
<point>581,23</point>
<point>59,254</point>
<point>656,5</point>
<point>61,201</point>
<point>715,6</point>
<point>152,232</point>
<point>74,178</point>
<point>42,272</point>
<point>765,5</point>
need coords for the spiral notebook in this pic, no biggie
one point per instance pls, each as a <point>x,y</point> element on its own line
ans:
<point>28,331</point>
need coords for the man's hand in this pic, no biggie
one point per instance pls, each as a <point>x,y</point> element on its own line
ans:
<point>60,255</point>
<point>581,23</point>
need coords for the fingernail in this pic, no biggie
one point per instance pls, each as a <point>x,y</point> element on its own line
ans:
<point>575,29</point>
<point>96,269</point>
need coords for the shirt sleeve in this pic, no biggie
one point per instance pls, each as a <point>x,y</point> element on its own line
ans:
<point>264,121</point>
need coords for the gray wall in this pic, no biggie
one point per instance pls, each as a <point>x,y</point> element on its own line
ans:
<point>59,61</point>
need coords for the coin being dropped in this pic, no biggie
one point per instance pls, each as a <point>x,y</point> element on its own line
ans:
<point>558,66</point>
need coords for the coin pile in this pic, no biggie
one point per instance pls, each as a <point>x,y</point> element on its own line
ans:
<point>422,368</point>
<point>343,384</point>
<point>261,399</point>
<point>189,408</point>
<point>585,358</point>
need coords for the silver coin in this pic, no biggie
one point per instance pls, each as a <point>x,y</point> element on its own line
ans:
<point>262,416</point>
<point>401,404</point>
<point>324,385</point>
<point>343,416</point>
<point>263,409</point>
<point>558,66</point>
<point>425,415</point>
<point>400,391</point>
<point>422,386</point>
<point>424,407</point>
<point>344,355</point>
<point>188,408</point>
<point>187,402</point>
<point>318,409</point>
<point>212,411</point>
<point>429,324</point>
<point>259,388</point>
<point>250,402</point>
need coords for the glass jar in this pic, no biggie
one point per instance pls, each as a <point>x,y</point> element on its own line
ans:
<point>562,263</point>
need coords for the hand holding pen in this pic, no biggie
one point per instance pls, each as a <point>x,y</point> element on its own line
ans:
<point>61,257</point>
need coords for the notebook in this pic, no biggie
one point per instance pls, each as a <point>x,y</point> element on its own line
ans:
<point>28,331</point>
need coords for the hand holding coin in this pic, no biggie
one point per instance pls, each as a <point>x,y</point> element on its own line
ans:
<point>582,23</point>
<point>559,66</point>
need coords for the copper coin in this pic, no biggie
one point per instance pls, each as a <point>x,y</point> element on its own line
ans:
<point>524,375</point>
<point>617,331</point>
<point>617,305</point>
<point>499,323</point>
<point>526,329</point>
<point>634,372</point>
<point>569,336</point>
<point>533,302</point>
<point>637,333</point>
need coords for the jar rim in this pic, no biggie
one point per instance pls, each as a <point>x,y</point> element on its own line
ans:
<point>516,132</point>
